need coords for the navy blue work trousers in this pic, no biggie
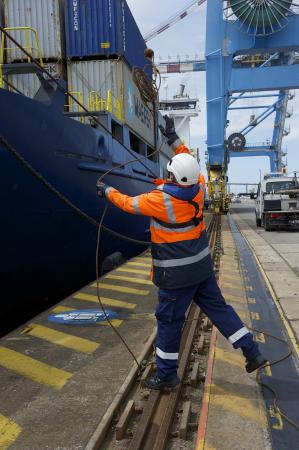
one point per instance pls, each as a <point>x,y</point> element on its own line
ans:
<point>170,314</point>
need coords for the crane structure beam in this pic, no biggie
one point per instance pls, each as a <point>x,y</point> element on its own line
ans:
<point>179,15</point>
<point>265,78</point>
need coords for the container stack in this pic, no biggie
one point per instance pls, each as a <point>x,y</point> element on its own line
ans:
<point>94,44</point>
<point>103,44</point>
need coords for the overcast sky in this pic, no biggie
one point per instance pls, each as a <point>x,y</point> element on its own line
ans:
<point>187,37</point>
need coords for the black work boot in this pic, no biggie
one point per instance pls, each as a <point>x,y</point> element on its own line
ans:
<point>255,363</point>
<point>156,383</point>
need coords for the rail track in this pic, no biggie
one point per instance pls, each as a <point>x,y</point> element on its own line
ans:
<point>148,424</point>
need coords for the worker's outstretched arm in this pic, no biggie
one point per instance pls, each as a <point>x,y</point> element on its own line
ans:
<point>144,204</point>
<point>172,138</point>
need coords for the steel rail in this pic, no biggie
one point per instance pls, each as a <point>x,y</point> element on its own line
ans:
<point>157,418</point>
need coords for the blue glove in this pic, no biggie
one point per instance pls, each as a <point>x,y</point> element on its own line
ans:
<point>102,187</point>
<point>169,130</point>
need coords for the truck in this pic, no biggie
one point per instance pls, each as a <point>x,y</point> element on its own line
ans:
<point>277,202</point>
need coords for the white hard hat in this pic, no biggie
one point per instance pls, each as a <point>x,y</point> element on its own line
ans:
<point>185,168</point>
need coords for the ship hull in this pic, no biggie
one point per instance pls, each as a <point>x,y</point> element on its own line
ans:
<point>47,248</point>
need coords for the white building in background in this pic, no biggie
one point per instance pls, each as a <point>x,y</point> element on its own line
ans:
<point>181,108</point>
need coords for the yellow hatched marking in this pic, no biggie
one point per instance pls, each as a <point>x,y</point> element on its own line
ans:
<point>251,300</point>
<point>9,432</point>
<point>115,322</point>
<point>34,370</point>
<point>104,300</point>
<point>229,358</point>
<point>131,279</point>
<point>140,271</point>
<point>127,290</point>
<point>238,405</point>
<point>144,259</point>
<point>60,309</point>
<point>63,339</point>
<point>255,316</point>
<point>139,264</point>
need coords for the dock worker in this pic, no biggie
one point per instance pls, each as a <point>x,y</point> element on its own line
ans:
<point>182,263</point>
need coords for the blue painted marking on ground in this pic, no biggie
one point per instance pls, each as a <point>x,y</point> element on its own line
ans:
<point>82,317</point>
<point>284,380</point>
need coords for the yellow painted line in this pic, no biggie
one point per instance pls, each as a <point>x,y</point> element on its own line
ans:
<point>229,358</point>
<point>9,432</point>
<point>115,322</point>
<point>268,371</point>
<point>127,290</point>
<point>104,300</point>
<point>140,271</point>
<point>34,370</point>
<point>139,264</point>
<point>275,415</point>
<point>238,405</point>
<point>131,279</point>
<point>276,301</point>
<point>63,339</point>
<point>255,315</point>
<point>260,337</point>
<point>251,300</point>
<point>144,259</point>
<point>60,309</point>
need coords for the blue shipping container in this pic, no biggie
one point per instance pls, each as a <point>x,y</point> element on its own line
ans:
<point>96,28</point>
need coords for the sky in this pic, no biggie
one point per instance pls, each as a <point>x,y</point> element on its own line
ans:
<point>187,37</point>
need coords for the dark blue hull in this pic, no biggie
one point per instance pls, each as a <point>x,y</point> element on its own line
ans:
<point>47,249</point>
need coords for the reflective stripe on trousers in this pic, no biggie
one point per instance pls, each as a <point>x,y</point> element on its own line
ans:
<point>170,313</point>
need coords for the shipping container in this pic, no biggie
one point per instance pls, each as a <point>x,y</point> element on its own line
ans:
<point>108,85</point>
<point>43,16</point>
<point>92,82</point>
<point>103,28</point>
<point>137,116</point>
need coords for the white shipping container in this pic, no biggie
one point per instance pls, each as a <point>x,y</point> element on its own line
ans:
<point>45,17</point>
<point>90,81</point>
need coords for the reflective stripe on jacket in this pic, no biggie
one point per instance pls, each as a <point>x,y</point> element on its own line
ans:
<point>180,249</point>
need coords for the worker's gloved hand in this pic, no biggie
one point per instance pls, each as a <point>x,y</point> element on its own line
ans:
<point>169,130</point>
<point>102,187</point>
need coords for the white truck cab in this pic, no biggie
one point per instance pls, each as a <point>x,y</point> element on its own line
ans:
<point>277,202</point>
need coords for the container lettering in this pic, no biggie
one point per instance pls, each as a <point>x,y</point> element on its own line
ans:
<point>76,15</point>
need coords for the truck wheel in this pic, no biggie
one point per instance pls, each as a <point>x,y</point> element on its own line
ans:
<point>258,221</point>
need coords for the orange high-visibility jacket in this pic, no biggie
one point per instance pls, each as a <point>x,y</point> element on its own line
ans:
<point>180,251</point>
